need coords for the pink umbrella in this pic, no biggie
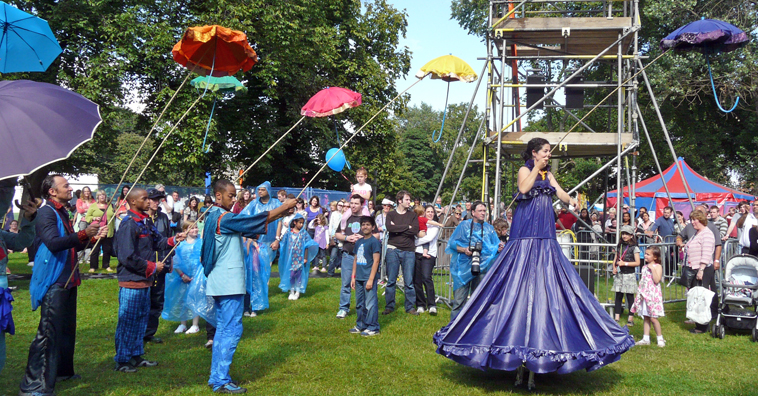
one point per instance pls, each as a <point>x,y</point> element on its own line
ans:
<point>330,101</point>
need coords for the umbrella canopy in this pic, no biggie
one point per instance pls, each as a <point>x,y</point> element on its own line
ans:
<point>329,101</point>
<point>41,123</point>
<point>26,42</point>
<point>448,68</point>
<point>214,50</point>
<point>226,84</point>
<point>706,36</point>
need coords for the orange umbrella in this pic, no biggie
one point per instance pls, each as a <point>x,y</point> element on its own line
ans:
<point>214,50</point>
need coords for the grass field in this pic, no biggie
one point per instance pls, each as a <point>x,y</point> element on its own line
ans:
<point>300,348</point>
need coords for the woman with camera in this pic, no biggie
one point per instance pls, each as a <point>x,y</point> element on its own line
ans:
<point>532,309</point>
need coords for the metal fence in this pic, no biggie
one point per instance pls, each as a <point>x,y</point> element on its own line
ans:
<point>593,261</point>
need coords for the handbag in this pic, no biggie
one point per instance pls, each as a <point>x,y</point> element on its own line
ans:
<point>699,304</point>
<point>688,276</point>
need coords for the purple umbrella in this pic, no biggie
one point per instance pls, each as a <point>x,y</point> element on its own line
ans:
<point>41,123</point>
<point>709,36</point>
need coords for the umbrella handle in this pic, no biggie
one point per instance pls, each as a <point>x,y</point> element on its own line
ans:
<point>444,114</point>
<point>209,125</point>
<point>710,74</point>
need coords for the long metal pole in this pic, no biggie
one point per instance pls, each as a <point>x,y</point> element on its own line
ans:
<point>619,130</point>
<point>655,156</point>
<point>498,163</point>
<point>666,134</point>
<point>460,133</point>
<point>629,148</point>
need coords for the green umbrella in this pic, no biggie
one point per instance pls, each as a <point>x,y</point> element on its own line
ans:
<point>226,84</point>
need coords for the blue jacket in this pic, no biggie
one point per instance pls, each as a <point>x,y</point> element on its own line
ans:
<point>135,244</point>
<point>47,232</point>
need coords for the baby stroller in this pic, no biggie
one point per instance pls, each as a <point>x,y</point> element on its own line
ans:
<point>739,297</point>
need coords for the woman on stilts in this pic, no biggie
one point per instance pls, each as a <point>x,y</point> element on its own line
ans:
<point>532,309</point>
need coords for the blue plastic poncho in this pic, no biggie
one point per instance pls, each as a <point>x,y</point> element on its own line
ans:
<point>257,206</point>
<point>297,252</point>
<point>186,260</point>
<point>201,304</point>
<point>257,273</point>
<point>460,264</point>
<point>48,266</point>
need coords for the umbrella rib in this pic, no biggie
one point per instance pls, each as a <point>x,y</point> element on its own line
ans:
<point>12,28</point>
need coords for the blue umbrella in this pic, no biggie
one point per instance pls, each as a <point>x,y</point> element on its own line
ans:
<point>708,36</point>
<point>41,123</point>
<point>26,42</point>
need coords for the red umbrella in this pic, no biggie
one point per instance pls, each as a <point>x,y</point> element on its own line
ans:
<point>214,50</point>
<point>330,101</point>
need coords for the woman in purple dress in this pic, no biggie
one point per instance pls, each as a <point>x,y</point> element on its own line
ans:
<point>532,309</point>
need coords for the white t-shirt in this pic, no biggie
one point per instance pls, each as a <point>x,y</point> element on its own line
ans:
<point>363,190</point>
<point>178,206</point>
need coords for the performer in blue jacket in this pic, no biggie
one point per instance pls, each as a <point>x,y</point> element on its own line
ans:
<point>224,263</point>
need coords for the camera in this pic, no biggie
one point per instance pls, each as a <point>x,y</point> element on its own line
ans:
<point>476,250</point>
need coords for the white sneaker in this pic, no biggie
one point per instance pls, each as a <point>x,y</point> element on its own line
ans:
<point>209,344</point>
<point>31,264</point>
<point>296,295</point>
<point>341,314</point>
<point>322,270</point>
<point>642,342</point>
<point>661,343</point>
<point>432,311</point>
<point>292,294</point>
<point>181,329</point>
<point>247,314</point>
<point>193,330</point>
<point>420,310</point>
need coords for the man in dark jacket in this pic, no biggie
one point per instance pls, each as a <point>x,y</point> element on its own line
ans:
<point>51,354</point>
<point>136,244</point>
<point>162,223</point>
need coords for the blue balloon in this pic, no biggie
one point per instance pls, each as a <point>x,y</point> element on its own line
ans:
<point>338,162</point>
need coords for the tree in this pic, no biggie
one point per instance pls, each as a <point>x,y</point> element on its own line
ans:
<point>114,52</point>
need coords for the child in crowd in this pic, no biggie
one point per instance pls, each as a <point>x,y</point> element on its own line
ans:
<point>364,190</point>
<point>186,262</point>
<point>256,275</point>
<point>297,250</point>
<point>501,228</point>
<point>321,236</point>
<point>624,278</point>
<point>649,301</point>
<point>364,281</point>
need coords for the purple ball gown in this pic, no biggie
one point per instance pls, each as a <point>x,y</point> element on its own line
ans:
<point>532,307</point>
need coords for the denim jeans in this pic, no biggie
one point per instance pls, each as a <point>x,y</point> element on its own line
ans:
<point>460,296</point>
<point>347,275</point>
<point>228,333</point>
<point>395,259</point>
<point>367,305</point>
<point>335,259</point>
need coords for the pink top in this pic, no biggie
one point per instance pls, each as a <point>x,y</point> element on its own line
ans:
<point>700,249</point>
<point>82,205</point>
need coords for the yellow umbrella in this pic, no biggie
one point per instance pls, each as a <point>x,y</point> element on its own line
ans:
<point>447,68</point>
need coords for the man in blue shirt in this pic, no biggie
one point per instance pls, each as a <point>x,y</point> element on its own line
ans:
<point>664,225</point>
<point>224,262</point>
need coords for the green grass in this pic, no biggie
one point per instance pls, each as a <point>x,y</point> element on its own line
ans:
<point>300,348</point>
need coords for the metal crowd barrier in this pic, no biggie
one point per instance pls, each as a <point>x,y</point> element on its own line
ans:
<point>593,261</point>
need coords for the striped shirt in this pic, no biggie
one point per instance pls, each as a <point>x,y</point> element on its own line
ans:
<point>700,249</point>
<point>722,225</point>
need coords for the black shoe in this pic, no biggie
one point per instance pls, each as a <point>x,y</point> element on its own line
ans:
<point>387,311</point>
<point>154,340</point>
<point>139,361</point>
<point>697,331</point>
<point>412,312</point>
<point>67,377</point>
<point>125,367</point>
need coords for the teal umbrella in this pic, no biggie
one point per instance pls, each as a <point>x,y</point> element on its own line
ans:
<point>26,42</point>
<point>225,85</point>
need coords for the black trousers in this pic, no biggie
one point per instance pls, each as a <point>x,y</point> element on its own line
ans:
<point>423,282</point>
<point>156,304</point>
<point>51,353</point>
<point>618,309</point>
<point>106,245</point>
<point>709,282</point>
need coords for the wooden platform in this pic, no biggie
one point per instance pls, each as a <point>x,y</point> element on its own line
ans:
<point>575,144</point>
<point>584,36</point>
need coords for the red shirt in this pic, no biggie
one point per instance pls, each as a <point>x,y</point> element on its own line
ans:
<point>567,219</point>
